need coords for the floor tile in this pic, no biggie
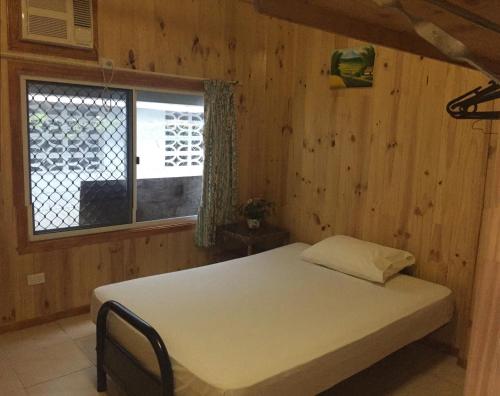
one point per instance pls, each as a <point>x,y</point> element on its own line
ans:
<point>114,390</point>
<point>9,383</point>
<point>425,359</point>
<point>42,336</point>
<point>77,326</point>
<point>81,383</point>
<point>87,346</point>
<point>413,371</point>
<point>37,365</point>
<point>56,359</point>
<point>427,385</point>
<point>447,369</point>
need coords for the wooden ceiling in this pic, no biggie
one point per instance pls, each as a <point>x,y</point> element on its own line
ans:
<point>474,22</point>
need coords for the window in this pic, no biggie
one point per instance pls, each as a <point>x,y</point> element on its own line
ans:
<point>111,157</point>
<point>170,152</point>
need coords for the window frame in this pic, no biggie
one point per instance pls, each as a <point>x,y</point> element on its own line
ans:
<point>19,73</point>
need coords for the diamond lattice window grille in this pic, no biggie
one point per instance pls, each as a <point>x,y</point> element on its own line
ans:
<point>78,156</point>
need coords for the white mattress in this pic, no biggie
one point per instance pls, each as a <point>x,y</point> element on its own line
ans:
<point>272,324</point>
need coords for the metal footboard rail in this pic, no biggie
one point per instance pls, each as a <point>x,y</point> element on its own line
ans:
<point>116,361</point>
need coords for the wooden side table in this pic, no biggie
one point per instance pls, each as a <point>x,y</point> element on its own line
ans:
<point>250,238</point>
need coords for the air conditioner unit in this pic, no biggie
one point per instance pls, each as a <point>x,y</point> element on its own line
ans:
<point>62,22</point>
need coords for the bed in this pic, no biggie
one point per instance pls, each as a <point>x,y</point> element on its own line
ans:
<point>267,324</point>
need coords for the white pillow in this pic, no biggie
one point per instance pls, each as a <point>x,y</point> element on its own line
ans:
<point>358,258</point>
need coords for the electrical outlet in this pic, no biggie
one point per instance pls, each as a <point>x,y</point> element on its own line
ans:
<point>36,279</point>
<point>106,63</point>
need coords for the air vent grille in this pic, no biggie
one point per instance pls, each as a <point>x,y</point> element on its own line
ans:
<point>50,5</point>
<point>46,26</point>
<point>82,13</point>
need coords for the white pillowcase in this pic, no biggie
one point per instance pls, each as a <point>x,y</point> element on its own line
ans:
<point>358,258</point>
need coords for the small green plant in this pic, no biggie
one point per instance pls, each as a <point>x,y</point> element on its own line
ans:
<point>256,208</point>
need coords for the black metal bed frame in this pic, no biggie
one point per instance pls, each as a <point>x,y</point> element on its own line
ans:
<point>114,360</point>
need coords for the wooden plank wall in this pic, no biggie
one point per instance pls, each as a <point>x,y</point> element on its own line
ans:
<point>386,164</point>
<point>483,374</point>
<point>199,38</point>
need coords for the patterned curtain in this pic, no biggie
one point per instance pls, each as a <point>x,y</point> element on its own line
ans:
<point>220,190</point>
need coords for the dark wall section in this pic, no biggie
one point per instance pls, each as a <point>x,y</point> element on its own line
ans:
<point>104,203</point>
<point>168,197</point>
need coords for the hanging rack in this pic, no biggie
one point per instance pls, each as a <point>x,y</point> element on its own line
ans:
<point>466,105</point>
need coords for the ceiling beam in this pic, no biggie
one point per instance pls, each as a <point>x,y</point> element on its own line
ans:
<point>334,21</point>
<point>466,14</point>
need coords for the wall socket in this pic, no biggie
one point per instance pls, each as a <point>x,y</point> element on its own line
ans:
<point>36,279</point>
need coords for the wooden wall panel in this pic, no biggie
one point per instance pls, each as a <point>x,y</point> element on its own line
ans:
<point>386,164</point>
<point>483,374</point>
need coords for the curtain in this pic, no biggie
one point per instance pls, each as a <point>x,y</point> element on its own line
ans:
<point>219,198</point>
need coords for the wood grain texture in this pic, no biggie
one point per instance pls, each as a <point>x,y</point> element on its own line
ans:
<point>483,375</point>
<point>14,326</point>
<point>386,164</point>
<point>365,20</point>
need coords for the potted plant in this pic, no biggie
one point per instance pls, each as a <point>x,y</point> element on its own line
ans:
<point>255,211</point>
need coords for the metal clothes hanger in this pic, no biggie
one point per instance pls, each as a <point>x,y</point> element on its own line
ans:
<point>466,106</point>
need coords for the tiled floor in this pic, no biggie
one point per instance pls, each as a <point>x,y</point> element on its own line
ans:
<point>413,371</point>
<point>58,359</point>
